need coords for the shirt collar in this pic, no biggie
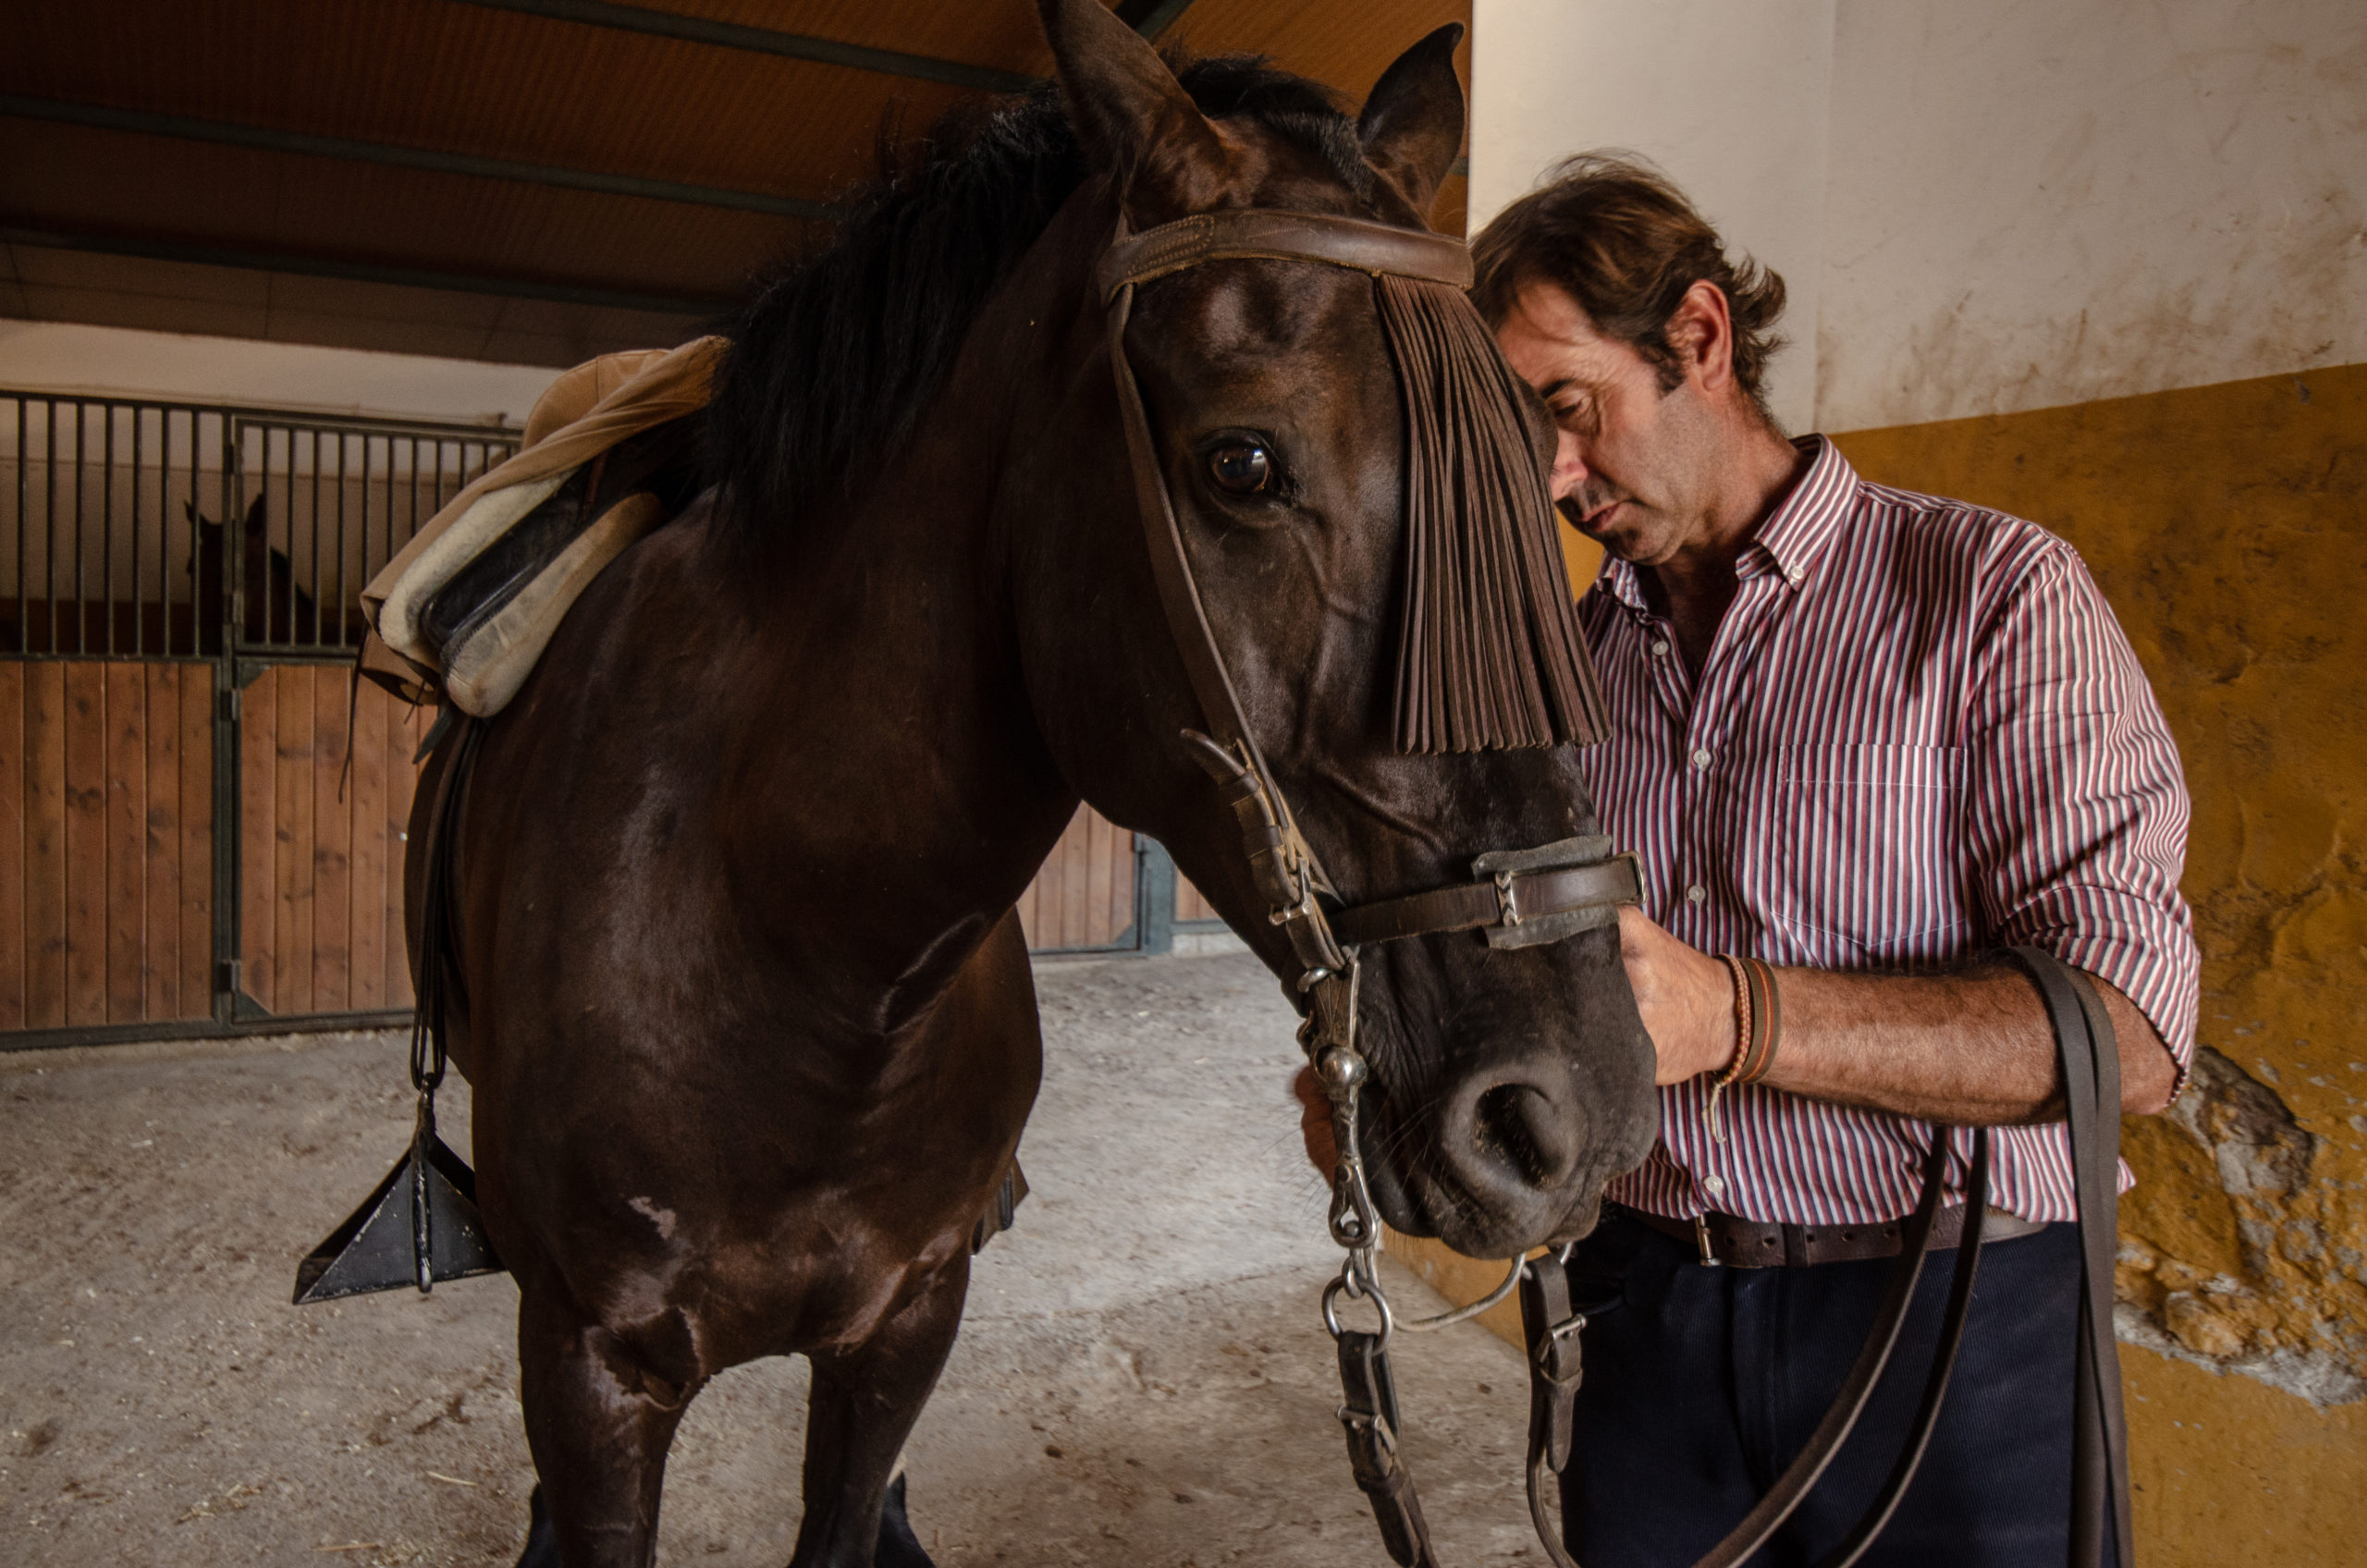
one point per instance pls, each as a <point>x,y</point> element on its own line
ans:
<point>1789,543</point>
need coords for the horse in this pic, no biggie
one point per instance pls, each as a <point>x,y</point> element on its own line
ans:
<point>276,608</point>
<point>733,966</point>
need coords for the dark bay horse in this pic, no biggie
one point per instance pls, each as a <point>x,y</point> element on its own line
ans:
<point>738,982</point>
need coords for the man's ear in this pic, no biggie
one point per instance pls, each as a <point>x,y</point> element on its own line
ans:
<point>1701,332</point>
<point>1411,124</point>
<point>1163,157</point>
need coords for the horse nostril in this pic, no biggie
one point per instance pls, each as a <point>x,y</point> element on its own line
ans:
<point>1513,1125</point>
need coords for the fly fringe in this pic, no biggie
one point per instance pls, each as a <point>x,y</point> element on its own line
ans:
<point>1489,654</point>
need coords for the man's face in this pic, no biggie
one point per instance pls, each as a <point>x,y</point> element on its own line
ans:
<point>1636,465</point>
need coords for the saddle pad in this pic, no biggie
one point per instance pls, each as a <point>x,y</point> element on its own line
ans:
<point>470,603</point>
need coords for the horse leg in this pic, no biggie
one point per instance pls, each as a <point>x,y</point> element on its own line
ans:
<point>864,1402</point>
<point>598,1421</point>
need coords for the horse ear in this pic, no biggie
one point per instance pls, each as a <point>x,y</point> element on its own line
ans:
<point>1163,157</point>
<point>254,524</point>
<point>1411,124</point>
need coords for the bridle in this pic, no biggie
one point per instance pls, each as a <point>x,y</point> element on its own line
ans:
<point>1523,898</point>
<point>1517,898</point>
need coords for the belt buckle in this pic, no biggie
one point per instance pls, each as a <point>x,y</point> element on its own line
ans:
<point>1710,1258</point>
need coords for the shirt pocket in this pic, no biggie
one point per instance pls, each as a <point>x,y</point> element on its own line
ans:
<point>1860,863</point>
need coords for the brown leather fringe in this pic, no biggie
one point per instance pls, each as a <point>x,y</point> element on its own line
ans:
<point>1490,653</point>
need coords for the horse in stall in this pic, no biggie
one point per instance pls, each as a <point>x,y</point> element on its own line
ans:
<point>734,970</point>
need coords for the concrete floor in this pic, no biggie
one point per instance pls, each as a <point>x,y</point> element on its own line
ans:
<point>1142,1380</point>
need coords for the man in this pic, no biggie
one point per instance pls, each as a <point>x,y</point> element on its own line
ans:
<point>1865,736</point>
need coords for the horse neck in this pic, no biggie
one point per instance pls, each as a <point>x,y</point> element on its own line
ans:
<point>906,767</point>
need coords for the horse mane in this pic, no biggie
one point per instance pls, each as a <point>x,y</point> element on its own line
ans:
<point>832,362</point>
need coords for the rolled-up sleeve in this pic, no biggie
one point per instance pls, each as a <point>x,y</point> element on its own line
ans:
<point>2076,815</point>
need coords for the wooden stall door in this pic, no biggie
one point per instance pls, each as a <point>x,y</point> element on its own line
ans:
<point>1189,904</point>
<point>1083,896</point>
<point>321,877</point>
<point>106,843</point>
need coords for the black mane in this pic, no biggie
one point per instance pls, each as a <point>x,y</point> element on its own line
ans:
<point>831,364</point>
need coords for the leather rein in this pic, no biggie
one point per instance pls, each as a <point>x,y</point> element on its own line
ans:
<point>1527,897</point>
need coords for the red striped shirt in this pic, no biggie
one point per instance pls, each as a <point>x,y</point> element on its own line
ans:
<point>1921,734</point>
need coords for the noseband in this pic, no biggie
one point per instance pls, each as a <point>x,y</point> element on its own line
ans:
<point>1517,898</point>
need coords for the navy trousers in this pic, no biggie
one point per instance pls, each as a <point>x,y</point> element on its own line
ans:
<point>1702,1383</point>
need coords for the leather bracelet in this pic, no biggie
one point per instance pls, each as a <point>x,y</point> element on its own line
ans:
<point>1746,1033</point>
<point>1767,1015</point>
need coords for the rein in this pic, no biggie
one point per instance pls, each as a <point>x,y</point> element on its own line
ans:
<point>1527,897</point>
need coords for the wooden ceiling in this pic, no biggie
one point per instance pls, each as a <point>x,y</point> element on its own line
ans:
<point>526,181</point>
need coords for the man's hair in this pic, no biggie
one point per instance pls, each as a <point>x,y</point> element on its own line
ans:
<point>1624,243</point>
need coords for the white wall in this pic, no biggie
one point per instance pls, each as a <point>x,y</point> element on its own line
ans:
<point>1982,208</point>
<point>1727,96</point>
<point>53,356</point>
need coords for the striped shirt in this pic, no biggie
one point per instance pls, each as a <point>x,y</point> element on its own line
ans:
<point>1919,734</point>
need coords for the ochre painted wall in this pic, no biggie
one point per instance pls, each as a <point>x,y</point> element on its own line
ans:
<point>2228,525</point>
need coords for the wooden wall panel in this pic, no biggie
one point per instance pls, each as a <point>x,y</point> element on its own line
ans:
<point>100,854</point>
<point>322,930</point>
<point>44,794</point>
<point>1083,896</point>
<point>367,888</point>
<point>258,830</point>
<point>333,912</point>
<point>1189,904</point>
<point>126,883</point>
<point>86,844</point>
<point>195,908</point>
<point>12,845</point>
<point>160,932</point>
<point>291,834</point>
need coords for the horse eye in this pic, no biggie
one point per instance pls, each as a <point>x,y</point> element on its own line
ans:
<point>1242,469</point>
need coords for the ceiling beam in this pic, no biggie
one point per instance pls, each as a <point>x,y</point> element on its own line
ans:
<point>142,122</point>
<point>765,41</point>
<point>360,272</point>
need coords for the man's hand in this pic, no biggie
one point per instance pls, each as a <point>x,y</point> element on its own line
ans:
<point>1315,1122</point>
<point>1686,997</point>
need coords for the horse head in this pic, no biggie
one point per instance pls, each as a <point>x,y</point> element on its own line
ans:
<point>1508,1083</point>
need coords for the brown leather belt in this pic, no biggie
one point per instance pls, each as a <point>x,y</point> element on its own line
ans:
<point>1736,1242</point>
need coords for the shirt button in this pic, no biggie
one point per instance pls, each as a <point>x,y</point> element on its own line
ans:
<point>1701,756</point>
<point>1793,575</point>
<point>1696,892</point>
<point>1714,1186</point>
<point>1660,650</point>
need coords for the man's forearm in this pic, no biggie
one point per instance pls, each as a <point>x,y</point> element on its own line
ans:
<point>1970,1047</point>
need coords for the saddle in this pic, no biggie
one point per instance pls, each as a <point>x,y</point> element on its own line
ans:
<point>465,610</point>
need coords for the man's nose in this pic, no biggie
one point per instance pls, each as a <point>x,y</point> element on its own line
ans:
<point>1569,466</point>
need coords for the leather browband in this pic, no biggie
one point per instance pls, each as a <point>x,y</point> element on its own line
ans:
<point>1261,234</point>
